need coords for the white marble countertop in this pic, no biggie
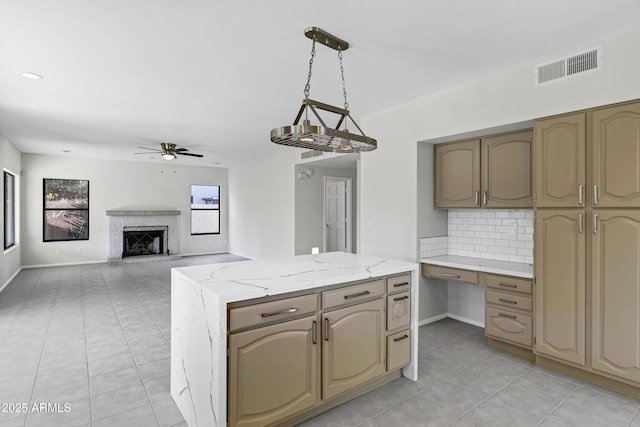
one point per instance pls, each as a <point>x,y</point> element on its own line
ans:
<point>516,269</point>
<point>242,280</point>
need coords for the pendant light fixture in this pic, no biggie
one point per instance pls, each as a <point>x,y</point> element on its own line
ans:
<point>322,137</point>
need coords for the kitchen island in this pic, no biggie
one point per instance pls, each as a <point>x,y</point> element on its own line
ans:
<point>324,297</point>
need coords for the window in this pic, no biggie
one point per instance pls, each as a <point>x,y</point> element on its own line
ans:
<point>205,209</point>
<point>9,210</point>
<point>66,209</point>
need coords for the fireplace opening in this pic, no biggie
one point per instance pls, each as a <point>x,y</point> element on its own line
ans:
<point>138,241</point>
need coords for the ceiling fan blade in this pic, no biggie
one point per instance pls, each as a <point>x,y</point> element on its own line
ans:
<point>181,149</point>
<point>151,152</point>
<point>154,149</point>
<point>189,154</point>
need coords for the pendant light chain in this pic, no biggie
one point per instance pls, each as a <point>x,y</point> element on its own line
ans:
<point>307,87</point>
<point>344,87</point>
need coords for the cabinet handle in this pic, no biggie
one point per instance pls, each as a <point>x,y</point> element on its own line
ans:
<point>477,197</point>
<point>510,316</point>
<point>453,276</point>
<point>314,332</point>
<point>356,295</point>
<point>404,337</point>
<point>275,313</point>
<point>595,194</point>
<point>595,223</point>
<point>401,298</point>
<point>508,301</point>
<point>397,285</point>
<point>508,285</point>
<point>484,199</point>
<point>326,329</point>
<point>580,223</point>
<point>580,194</point>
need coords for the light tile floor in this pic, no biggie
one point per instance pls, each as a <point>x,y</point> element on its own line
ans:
<point>96,337</point>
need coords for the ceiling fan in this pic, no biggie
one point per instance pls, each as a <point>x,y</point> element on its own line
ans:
<point>169,151</point>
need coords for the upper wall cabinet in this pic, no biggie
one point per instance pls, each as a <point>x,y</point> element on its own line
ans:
<point>560,161</point>
<point>494,172</point>
<point>506,171</point>
<point>616,156</point>
<point>457,175</point>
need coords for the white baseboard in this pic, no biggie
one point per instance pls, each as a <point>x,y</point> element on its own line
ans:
<point>453,316</point>
<point>10,279</point>
<point>466,320</point>
<point>65,264</point>
<point>204,253</point>
<point>433,319</point>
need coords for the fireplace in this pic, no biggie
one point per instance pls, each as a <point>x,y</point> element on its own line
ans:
<point>138,241</point>
<point>146,226</point>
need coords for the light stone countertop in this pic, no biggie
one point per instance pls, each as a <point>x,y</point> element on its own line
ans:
<point>507,268</point>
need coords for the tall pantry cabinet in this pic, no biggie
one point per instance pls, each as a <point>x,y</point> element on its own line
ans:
<point>587,240</point>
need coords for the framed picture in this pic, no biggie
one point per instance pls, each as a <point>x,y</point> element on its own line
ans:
<point>205,209</point>
<point>66,209</point>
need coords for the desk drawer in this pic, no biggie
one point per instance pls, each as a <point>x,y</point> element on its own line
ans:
<point>507,283</point>
<point>270,312</point>
<point>398,283</point>
<point>352,294</point>
<point>508,325</point>
<point>510,300</point>
<point>448,273</point>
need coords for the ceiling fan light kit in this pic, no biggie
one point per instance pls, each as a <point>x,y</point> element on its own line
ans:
<point>322,137</point>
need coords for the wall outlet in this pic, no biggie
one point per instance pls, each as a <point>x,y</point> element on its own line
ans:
<point>315,250</point>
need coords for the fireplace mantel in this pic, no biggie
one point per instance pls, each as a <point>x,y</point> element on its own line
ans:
<point>146,212</point>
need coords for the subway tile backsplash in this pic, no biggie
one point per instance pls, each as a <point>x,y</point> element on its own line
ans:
<point>505,235</point>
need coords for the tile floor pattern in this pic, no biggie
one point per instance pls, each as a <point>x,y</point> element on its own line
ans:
<point>97,336</point>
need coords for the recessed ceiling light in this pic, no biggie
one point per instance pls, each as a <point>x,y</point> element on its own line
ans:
<point>32,76</point>
<point>66,151</point>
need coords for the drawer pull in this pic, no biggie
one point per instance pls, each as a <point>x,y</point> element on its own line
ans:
<point>510,316</point>
<point>275,313</point>
<point>397,285</point>
<point>401,298</point>
<point>359,294</point>
<point>508,301</point>
<point>508,285</point>
<point>326,329</point>
<point>453,276</point>
<point>404,337</point>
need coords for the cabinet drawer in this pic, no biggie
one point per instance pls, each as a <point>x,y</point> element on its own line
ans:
<point>398,311</point>
<point>398,350</point>
<point>510,300</point>
<point>507,283</point>
<point>398,283</point>
<point>510,326</point>
<point>355,293</point>
<point>449,273</point>
<point>273,311</point>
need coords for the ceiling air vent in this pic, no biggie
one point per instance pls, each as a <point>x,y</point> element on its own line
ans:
<point>589,60</point>
<point>312,153</point>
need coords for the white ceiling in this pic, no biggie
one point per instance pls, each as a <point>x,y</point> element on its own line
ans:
<point>216,76</point>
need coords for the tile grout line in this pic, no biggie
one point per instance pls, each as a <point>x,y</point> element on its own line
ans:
<point>86,348</point>
<point>558,405</point>
<point>131,351</point>
<point>634,416</point>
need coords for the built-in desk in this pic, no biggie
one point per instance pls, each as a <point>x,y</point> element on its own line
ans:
<point>506,268</point>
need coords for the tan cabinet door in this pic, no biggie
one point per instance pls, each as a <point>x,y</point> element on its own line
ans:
<point>457,175</point>
<point>506,170</point>
<point>273,372</point>
<point>560,161</point>
<point>560,285</point>
<point>616,156</point>
<point>353,346</point>
<point>616,294</point>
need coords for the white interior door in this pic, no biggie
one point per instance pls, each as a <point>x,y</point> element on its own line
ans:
<point>337,215</point>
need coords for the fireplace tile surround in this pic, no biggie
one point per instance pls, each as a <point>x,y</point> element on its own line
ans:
<point>119,219</point>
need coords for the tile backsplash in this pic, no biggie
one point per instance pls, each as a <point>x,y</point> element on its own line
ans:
<point>505,235</point>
